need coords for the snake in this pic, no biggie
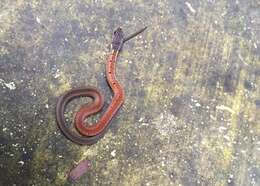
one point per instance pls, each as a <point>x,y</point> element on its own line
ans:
<point>90,134</point>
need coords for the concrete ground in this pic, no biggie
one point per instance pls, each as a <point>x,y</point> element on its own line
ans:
<point>192,83</point>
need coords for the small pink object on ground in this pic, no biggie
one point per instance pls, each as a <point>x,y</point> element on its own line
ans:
<point>79,170</point>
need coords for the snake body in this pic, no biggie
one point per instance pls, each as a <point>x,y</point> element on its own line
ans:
<point>91,134</point>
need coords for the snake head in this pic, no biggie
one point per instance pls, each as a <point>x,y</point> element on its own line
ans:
<point>118,39</point>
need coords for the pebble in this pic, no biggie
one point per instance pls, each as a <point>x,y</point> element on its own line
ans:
<point>21,162</point>
<point>113,153</point>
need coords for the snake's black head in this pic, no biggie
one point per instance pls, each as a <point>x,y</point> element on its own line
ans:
<point>118,39</point>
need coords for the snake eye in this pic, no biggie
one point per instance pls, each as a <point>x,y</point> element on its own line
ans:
<point>118,30</point>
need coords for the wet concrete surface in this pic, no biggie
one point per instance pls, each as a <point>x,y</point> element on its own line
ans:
<point>191,115</point>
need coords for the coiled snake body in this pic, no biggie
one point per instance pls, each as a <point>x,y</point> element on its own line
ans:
<point>91,134</point>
